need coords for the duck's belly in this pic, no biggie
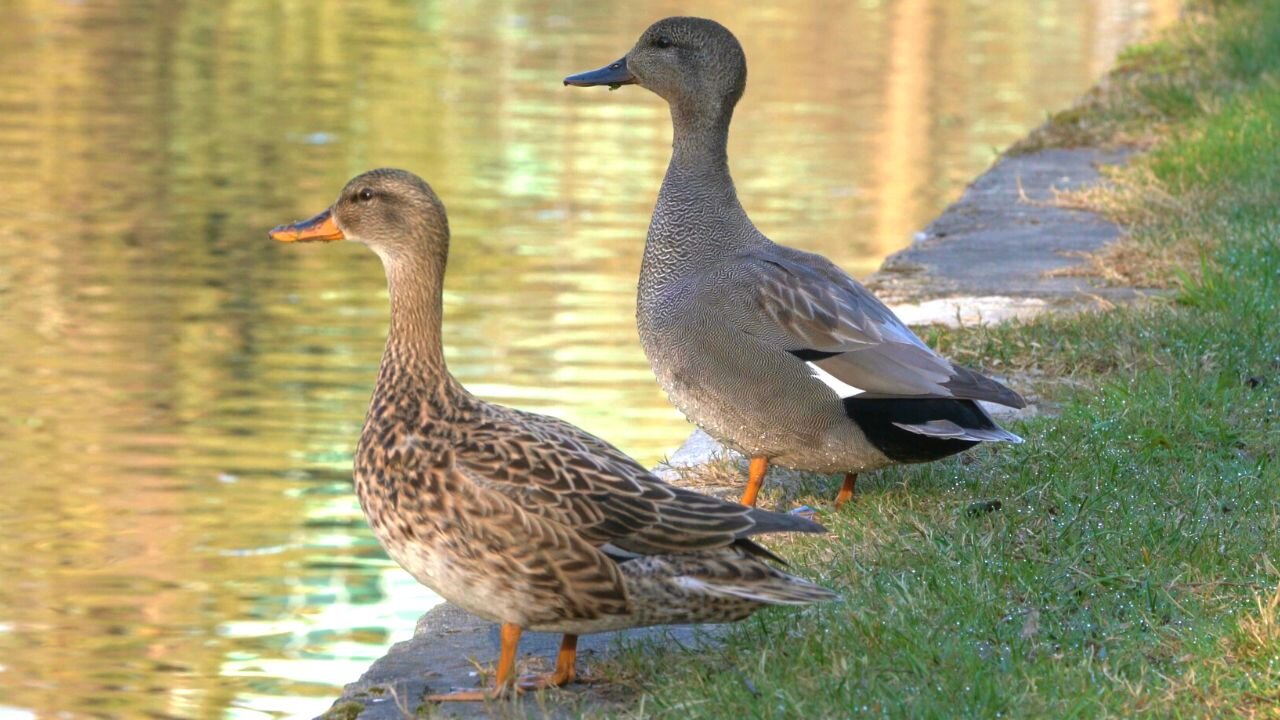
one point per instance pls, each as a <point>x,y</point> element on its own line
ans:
<point>447,559</point>
<point>478,591</point>
<point>763,404</point>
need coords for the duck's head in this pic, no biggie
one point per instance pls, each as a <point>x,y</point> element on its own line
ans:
<point>688,61</point>
<point>392,211</point>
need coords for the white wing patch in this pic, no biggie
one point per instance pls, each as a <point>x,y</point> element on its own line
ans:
<point>842,388</point>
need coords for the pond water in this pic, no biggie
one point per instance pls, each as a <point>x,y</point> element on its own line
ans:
<point>181,397</point>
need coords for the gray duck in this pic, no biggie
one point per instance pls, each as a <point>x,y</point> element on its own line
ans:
<point>519,518</point>
<point>775,352</point>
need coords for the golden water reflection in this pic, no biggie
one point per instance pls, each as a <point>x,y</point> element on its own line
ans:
<point>181,397</point>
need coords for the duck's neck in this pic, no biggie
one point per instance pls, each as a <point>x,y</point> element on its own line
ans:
<point>414,356</point>
<point>698,218</point>
<point>700,137</point>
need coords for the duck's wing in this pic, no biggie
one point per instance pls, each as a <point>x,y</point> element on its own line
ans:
<point>558,471</point>
<point>803,304</point>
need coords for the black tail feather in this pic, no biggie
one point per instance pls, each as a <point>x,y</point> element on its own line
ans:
<point>879,419</point>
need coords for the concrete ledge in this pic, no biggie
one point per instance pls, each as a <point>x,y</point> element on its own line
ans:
<point>990,255</point>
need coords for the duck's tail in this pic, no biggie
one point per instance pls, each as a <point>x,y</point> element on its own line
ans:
<point>778,588</point>
<point>736,573</point>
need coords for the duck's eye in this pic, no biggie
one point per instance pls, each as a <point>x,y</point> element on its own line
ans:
<point>662,41</point>
<point>365,194</point>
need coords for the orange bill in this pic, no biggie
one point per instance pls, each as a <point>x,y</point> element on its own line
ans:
<point>319,228</point>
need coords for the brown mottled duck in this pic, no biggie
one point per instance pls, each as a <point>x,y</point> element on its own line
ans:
<point>775,352</point>
<point>524,519</point>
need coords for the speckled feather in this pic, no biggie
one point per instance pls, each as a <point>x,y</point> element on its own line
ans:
<point>518,517</point>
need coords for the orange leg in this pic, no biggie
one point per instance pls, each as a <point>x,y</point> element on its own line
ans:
<point>566,667</point>
<point>755,478</point>
<point>846,490</point>
<point>503,683</point>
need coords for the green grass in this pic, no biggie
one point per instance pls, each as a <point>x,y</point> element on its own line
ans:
<point>1219,49</point>
<point>1131,568</point>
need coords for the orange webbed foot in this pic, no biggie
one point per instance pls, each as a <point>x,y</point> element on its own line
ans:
<point>566,668</point>
<point>503,686</point>
<point>549,680</point>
